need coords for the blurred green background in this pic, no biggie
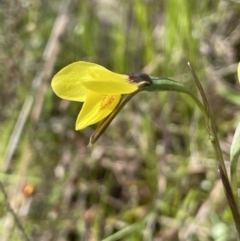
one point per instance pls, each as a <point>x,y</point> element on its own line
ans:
<point>153,174</point>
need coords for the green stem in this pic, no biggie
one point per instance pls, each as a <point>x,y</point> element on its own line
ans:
<point>164,84</point>
<point>215,142</point>
<point>225,180</point>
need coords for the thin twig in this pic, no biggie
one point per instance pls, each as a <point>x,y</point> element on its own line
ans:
<point>15,217</point>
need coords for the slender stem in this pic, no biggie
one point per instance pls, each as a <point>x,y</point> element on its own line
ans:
<point>215,143</point>
<point>198,103</point>
<point>166,84</point>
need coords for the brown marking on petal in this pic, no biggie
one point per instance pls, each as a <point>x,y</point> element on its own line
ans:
<point>106,101</point>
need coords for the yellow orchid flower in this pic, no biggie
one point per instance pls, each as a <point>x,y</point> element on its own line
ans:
<point>100,89</point>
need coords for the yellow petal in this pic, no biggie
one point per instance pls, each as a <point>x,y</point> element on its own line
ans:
<point>239,71</point>
<point>103,81</point>
<point>95,108</point>
<point>67,83</point>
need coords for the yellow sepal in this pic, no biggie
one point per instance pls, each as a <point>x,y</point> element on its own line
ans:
<point>103,81</point>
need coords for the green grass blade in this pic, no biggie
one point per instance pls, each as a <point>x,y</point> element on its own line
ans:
<point>234,155</point>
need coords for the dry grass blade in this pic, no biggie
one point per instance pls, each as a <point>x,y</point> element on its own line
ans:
<point>49,58</point>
